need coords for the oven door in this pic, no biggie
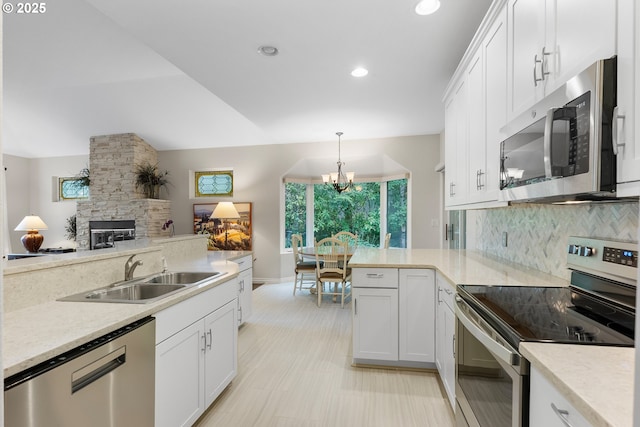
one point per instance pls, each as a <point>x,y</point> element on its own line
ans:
<point>492,379</point>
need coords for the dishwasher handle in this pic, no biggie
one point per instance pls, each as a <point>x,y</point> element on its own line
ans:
<point>97,369</point>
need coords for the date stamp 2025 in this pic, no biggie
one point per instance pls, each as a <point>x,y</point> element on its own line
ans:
<point>24,8</point>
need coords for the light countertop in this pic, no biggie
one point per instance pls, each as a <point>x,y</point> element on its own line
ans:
<point>596,380</point>
<point>34,334</point>
<point>459,266</point>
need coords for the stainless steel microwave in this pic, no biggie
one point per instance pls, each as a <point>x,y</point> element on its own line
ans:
<point>561,149</point>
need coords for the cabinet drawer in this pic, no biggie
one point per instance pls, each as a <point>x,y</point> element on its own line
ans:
<point>445,291</point>
<point>375,278</point>
<point>244,263</point>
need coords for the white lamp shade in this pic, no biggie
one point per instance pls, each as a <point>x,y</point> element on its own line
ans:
<point>31,222</point>
<point>225,210</point>
<point>325,178</point>
<point>350,176</point>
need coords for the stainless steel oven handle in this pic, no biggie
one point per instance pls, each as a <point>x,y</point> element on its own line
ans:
<point>505,354</point>
<point>548,130</point>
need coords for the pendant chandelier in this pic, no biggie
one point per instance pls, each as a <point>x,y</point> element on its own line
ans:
<point>339,180</point>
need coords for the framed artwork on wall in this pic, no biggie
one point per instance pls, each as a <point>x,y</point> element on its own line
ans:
<point>224,234</point>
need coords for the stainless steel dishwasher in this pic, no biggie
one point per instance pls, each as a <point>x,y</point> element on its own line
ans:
<point>109,381</point>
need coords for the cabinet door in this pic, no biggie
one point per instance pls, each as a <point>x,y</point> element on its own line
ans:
<point>542,395</point>
<point>245,289</point>
<point>526,39</point>
<point>628,143</point>
<point>495,64</point>
<point>579,32</point>
<point>456,148</point>
<point>449,360</point>
<point>375,323</point>
<point>221,361</point>
<point>416,293</point>
<point>476,128</point>
<point>180,378</point>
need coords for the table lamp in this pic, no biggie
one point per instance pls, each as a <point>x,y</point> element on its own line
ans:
<point>32,240</point>
<point>225,210</point>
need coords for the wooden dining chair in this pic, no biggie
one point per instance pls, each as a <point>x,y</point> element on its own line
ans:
<point>331,268</point>
<point>346,236</point>
<point>305,271</point>
<point>387,239</point>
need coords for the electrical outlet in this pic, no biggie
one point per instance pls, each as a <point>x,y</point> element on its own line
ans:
<point>504,239</point>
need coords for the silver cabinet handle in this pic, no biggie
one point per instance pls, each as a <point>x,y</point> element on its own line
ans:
<point>210,339</point>
<point>439,290</point>
<point>239,315</point>
<point>543,66</point>
<point>355,306</point>
<point>536,61</point>
<point>615,132</point>
<point>448,291</point>
<point>204,343</point>
<point>454,345</point>
<point>562,414</point>
<point>375,275</point>
<point>479,184</point>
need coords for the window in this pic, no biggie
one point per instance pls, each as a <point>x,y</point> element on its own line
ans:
<point>370,209</point>
<point>72,189</point>
<point>213,183</point>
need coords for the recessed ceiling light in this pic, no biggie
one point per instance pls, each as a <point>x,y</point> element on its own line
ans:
<point>359,72</point>
<point>427,7</point>
<point>268,50</point>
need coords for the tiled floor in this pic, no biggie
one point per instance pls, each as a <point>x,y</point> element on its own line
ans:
<point>295,370</point>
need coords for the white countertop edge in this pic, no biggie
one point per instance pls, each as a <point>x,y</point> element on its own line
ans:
<point>573,369</point>
<point>113,316</point>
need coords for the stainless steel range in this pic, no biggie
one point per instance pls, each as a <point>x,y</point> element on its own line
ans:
<point>492,378</point>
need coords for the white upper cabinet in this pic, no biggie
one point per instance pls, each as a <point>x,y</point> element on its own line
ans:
<point>625,139</point>
<point>475,110</point>
<point>551,41</point>
<point>456,147</point>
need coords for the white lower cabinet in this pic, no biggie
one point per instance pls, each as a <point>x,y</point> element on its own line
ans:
<point>445,337</point>
<point>548,407</point>
<point>393,316</point>
<point>416,315</point>
<point>245,288</point>
<point>196,354</point>
<point>375,323</point>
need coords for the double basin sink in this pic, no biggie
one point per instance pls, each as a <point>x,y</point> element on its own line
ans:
<point>145,289</point>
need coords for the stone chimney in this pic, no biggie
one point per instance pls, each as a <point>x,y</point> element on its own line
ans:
<point>112,192</point>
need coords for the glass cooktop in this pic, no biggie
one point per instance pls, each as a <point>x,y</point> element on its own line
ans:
<point>549,314</point>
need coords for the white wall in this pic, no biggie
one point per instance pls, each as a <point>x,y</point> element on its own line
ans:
<point>29,190</point>
<point>258,172</point>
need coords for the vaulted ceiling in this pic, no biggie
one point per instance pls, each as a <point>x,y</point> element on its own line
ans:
<point>186,74</point>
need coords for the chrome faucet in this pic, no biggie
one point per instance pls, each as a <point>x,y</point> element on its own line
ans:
<point>129,267</point>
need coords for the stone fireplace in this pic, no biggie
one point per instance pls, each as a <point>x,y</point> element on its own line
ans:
<point>113,195</point>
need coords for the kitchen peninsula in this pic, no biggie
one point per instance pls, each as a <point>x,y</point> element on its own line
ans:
<point>603,398</point>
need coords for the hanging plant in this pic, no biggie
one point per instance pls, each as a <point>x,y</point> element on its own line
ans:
<point>150,180</point>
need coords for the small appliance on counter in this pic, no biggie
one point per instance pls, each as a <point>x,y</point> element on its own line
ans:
<point>598,308</point>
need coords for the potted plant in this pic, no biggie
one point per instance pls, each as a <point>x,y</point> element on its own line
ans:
<point>70,228</point>
<point>150,180</point>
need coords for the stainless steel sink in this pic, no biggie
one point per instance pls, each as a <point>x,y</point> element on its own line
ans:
<point>144,290</point>
<point>137,291</point>
<point>181,277</point>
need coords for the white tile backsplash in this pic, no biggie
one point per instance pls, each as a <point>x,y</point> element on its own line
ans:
<point>537,234</point>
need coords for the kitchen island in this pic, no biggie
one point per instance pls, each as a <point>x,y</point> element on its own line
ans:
<point>597,380</point>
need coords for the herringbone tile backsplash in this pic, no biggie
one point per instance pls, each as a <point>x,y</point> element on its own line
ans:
<point>537,234</point>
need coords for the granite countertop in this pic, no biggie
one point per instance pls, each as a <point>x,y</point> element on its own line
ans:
<point>604,396</point>
<point>459,266</point>
<point>596,380</point>
<point>34,334</point>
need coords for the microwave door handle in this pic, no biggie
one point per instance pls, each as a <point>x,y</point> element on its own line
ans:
<point>548,130</point>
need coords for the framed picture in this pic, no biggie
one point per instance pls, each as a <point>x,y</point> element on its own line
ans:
<point>224,234</point>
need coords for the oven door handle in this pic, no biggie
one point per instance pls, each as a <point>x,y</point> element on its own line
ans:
<point>505,354</point>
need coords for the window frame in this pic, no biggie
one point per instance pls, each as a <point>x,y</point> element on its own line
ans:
<point>60,188</point>
<point>194,176</point>
<point>310,205</point>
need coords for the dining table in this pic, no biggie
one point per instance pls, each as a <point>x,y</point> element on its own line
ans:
<point>310,252</point>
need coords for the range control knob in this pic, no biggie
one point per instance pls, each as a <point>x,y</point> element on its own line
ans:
<point>574,249</point>
<point>587,251</point>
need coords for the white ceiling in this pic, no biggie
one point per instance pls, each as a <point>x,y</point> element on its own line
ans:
<point>186,73</point>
